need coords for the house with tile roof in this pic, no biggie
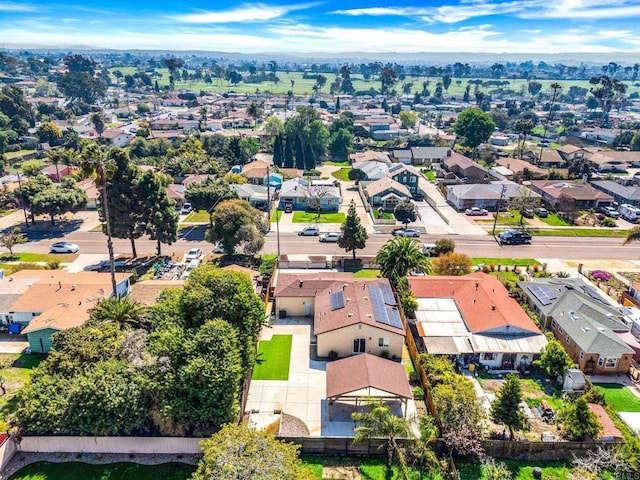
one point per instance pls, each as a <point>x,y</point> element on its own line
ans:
<point>56,300</point>
<point>385,193</point>
<point>473,319</point>
<point>295,294</point>
<point>360,316</point>
<point>562,194</point>
<point>591,330</point>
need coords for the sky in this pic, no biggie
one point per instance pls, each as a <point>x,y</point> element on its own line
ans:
<point>330,26</point>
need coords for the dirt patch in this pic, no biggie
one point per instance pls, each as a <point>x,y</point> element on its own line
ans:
<point>341,472</point>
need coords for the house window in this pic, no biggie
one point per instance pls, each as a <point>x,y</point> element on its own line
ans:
<point>553,324</point>
<point>581,355</point>
<point>488,356</point>
<point>600,361</point>
<point>568,339</point>
<point>610,362</point>
<point>383,342</point>
<point>359,345</point>
<point>413,179</point>
<point>560,331</point>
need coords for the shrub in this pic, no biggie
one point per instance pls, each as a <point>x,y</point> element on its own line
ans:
<point>418,393</point>
<point>333,355</point>
<point>53,265</point>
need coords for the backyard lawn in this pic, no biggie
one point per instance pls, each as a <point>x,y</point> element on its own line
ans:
<point>201,216</point>
<point>619,397</point>
<point>312,217</point>
<point>372,468</point>
<point>342,174</point>
<point>111,471</point>
<point>367,273</point>
<point>273,359</point>
<point>523,470</point>
<point>15,376</point>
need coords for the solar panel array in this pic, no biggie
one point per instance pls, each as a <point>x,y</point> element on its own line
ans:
<point>337,300</point>
<point>383,312</point>
<point>544,294</point>
<point>387,294</point>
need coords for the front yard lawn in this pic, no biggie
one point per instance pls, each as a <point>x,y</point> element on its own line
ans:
<point>312,217</point>
<point>579,232</point>
<point>520,262</point>
<point>430,174</point>
<point>111,471</point>
<point>201,216</point>
<point>276,215</point>
<point>342,174</point>
<point>273,359</point>
<point>619,397</point>
<point>554,220</point>
<point>39,257</point>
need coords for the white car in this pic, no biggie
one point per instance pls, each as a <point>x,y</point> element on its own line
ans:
<point>186,209</point>
<point>219,249</point>
<point>329,237</point>
<point>476,211</point>
<point>193,254</point>
<point>310,231</point>
<point>406,232</point>
<point>192,265</point>
<point>64,247</point>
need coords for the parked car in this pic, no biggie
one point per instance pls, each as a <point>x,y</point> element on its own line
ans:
<point>429,249</point>
<point>542,212</point>
<point>219,249</point>
<point>611,212</point>
<point>418,197</point>
<point>288,208</point>
<point>514,237</point>
<point>329,237</point>
<point>527,212</point>
<point>193,254</point>
<point>476,211</point>
<point>406,232</point>
<point>186,209</point>
<point>310,231</point>
<point>64,247</point>
<point>192,265</point>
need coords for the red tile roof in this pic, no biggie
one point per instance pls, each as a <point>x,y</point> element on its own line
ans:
<point>366,371</point>
<point>481,298</point>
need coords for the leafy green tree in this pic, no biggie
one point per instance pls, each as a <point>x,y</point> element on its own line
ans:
<point>445,245</point>
<point>32,168</point>
<point>474,126</point>
<point>408,119</point>
<point>405,212</point>
<point>79,83</point>
<point>634,145</point>
<point>255,111</point>
<point>357,175</point>
<point>379,422</point>
<point>216,293</point>
<point>534,88</point>
<point>237,451</point>
<point>608,91</point>
<point>554,359</point>
<point>14,105</point>
<point>56,201</point>
<point>401,256</point>
<point>490,470</point>
<point>578,421</point>
<point>48,132</point>
<point>10,240</point>
<point>207,194</point>
<point>308,126</point>
<point>340,143</point>
<point>353,235</point>
<point>288,153</point>
<point>452,264</point>
<point>505,409</point>
<point>238,225</point>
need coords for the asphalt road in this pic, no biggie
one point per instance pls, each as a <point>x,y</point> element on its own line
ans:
<point>568,248</point>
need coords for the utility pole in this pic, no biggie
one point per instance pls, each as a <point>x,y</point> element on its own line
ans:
<point>495,219</point>
<point>278,232</point>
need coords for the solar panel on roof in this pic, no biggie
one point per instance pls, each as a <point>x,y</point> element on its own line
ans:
<point>337,300</point>
<point>387,294</point>
<point>382,312</point>
<point>544,294</point>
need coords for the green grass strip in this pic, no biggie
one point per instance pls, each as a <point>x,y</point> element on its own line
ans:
<point>274,357</point>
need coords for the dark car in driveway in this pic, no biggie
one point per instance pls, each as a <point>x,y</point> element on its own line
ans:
<point>514,237</point>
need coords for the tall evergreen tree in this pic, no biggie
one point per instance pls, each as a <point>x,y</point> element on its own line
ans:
<point>505,409</point>
<point>288,153</point>
<point>299,153</point>
<point>353,236</point>
<point>309,157</point>
<point>278,153</point>
<point>160,216</point>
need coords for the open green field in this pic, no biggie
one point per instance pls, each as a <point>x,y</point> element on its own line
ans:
<point>16,375</point>
<point>111,471</point>
<point>304,86</point>
<point>312,217</point>
<point>619,397</point>
<point>342,174</point>
<point>273,359</point>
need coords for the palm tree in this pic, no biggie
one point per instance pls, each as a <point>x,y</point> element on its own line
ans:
<point>96,164</point>
<point>633,235</point>
<point>203,117</point>
<point>401,256</point>
<point>98,121</point>
<point>555,86</point>
<point>254,110</point>
<point>56,156</point>
<point>121,310</point>
<point>379,422</point>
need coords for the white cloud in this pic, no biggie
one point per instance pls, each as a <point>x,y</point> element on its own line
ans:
<point>14,7</point>
<point>243,13</point>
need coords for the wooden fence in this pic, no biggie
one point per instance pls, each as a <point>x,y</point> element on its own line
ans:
<point>539,451</point>
<point>339,446</point>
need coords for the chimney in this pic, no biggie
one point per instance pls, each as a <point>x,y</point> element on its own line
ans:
<point>73,287</point>
<point>448,153</point>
